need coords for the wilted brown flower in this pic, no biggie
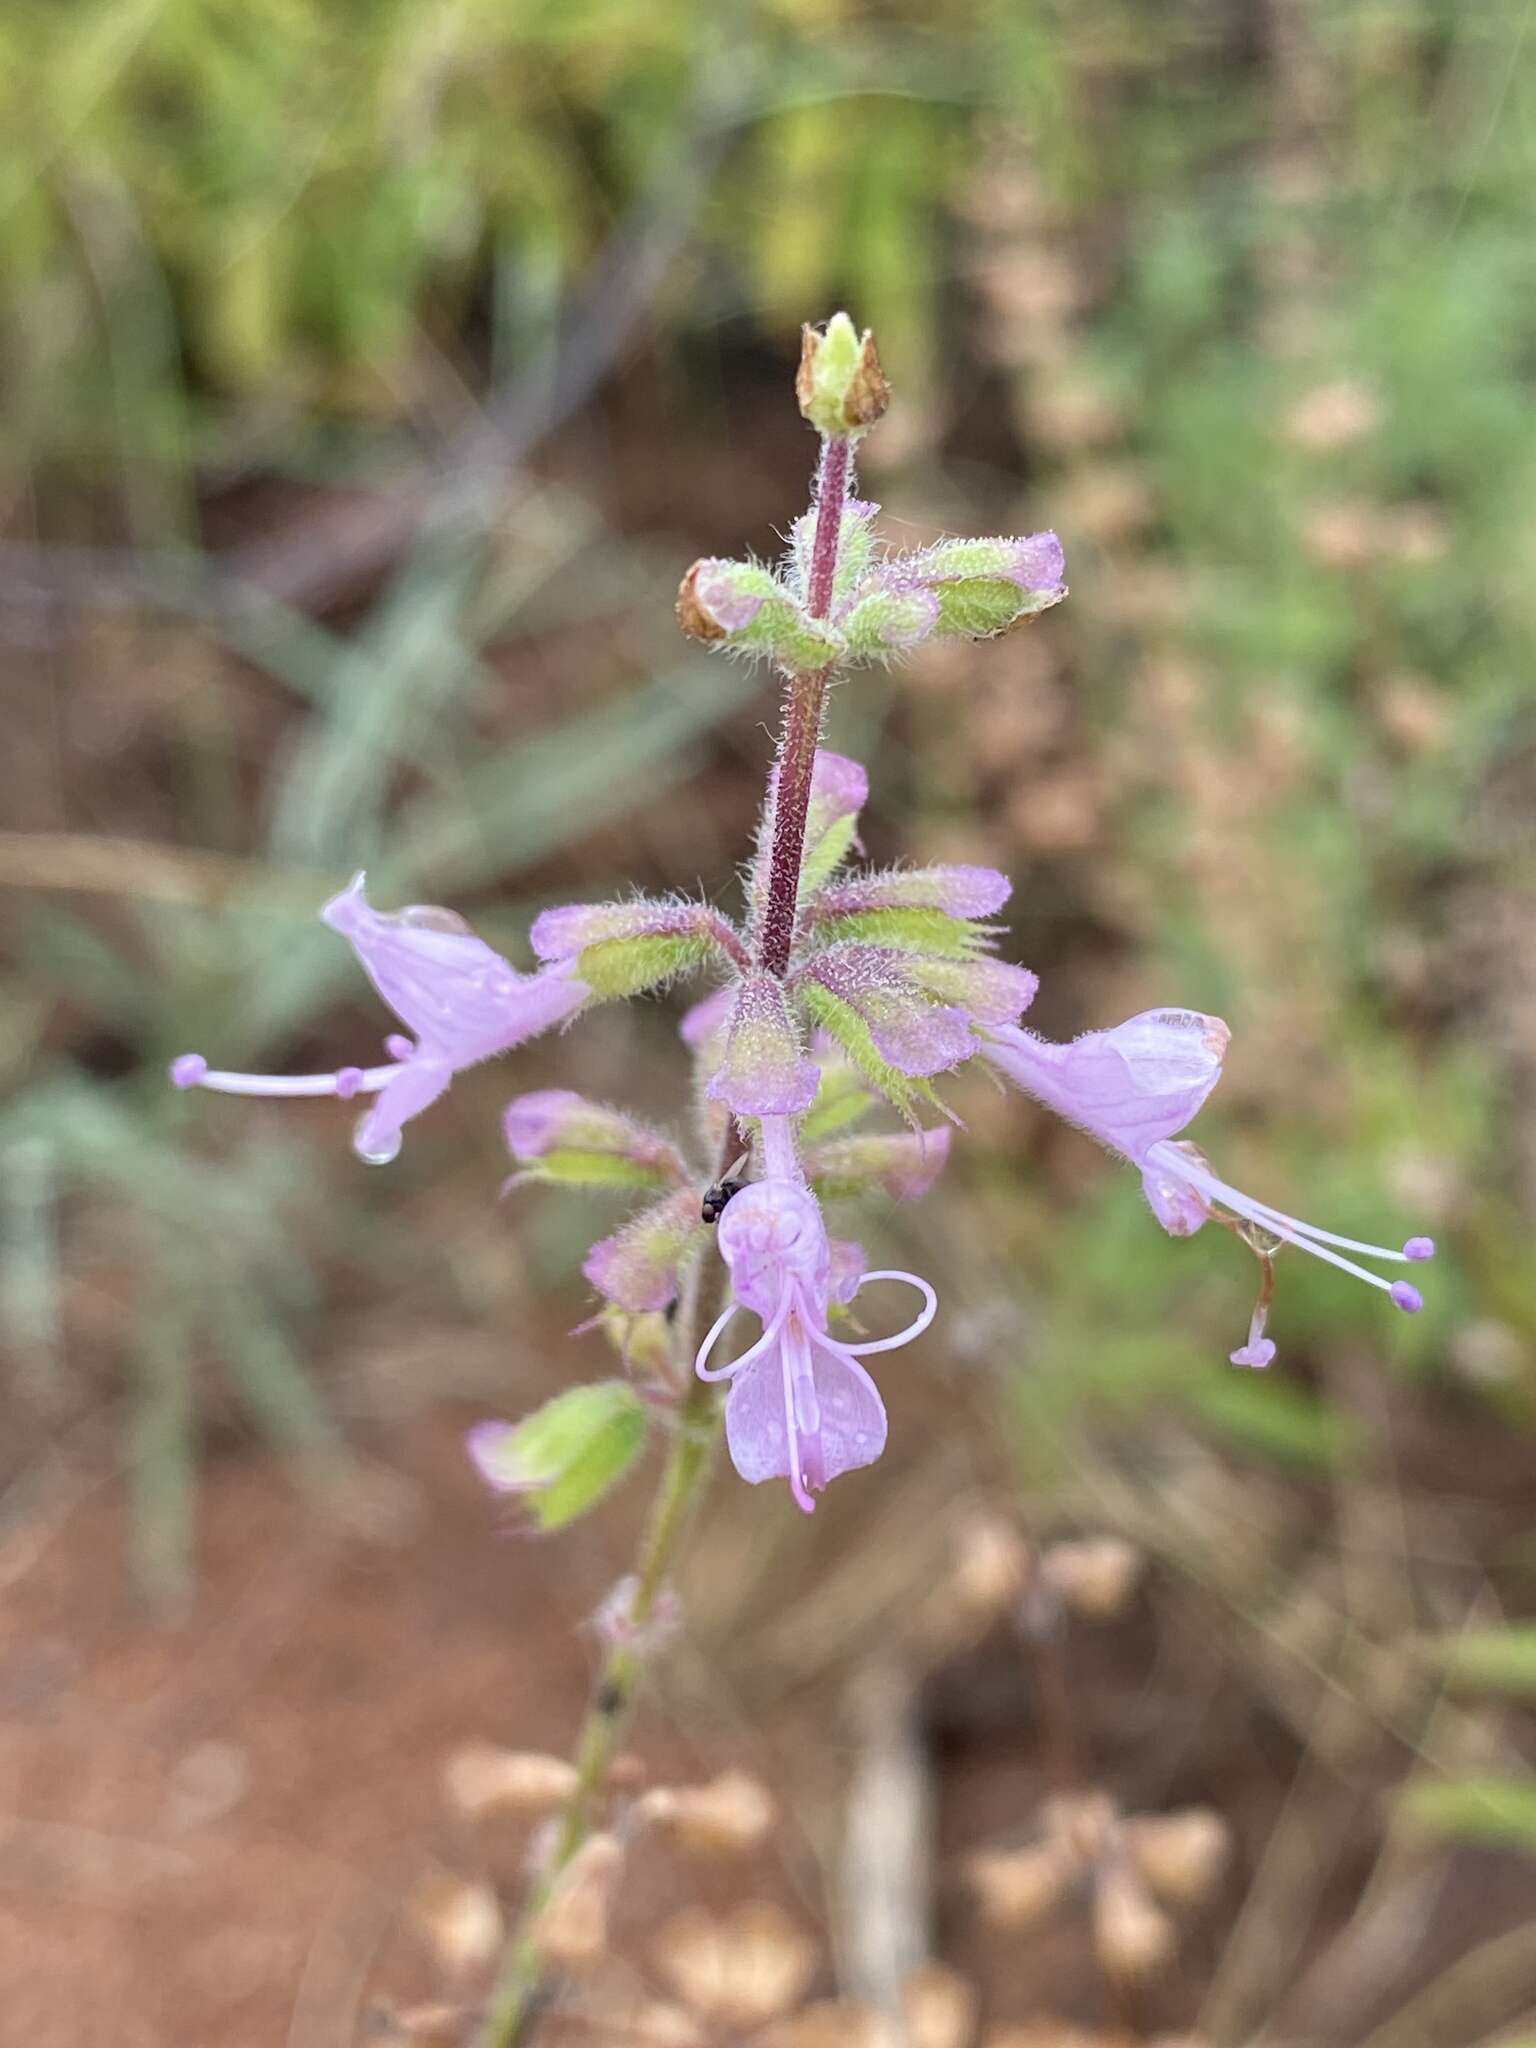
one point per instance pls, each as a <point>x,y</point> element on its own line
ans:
<point>991,1560</point>
<point>741,1969</point>
<point>1333,415</point>
<point>1095,1576</point>
<point>572,1929</point>
<point>1412,711</point>
<point>938,2006</point>
<point>1343,534</point>
<point>482,1779</point>
<point>731,1814</point>
<point>461,1920</point>
<point>1179,1854</point>
<point>1015,1887</point>
<point>1132,1935</point>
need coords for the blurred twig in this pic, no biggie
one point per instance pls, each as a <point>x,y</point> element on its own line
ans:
<point>97,864</point>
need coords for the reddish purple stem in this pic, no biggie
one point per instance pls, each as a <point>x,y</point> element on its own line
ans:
<point>831,497</point>
<point>802,722</point>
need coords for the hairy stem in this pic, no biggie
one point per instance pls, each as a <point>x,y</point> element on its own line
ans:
<point>791,800</point>
<point>803,710</point>
<point>832,481</point>
<point>613,1692</point>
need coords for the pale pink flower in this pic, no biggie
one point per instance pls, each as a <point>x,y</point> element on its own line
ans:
<point>801,1406</point>
<point>461,1000</point>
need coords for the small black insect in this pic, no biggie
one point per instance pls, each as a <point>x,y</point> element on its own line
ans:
<point>715,1198</point>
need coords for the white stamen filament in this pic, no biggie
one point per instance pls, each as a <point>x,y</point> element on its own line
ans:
<point>915,1328</point>
<point>371,1080</point>
<point>1303,1235</point>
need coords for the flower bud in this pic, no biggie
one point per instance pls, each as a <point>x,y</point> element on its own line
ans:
<point>889,620</point>
<point>840,385</point>
<point>1133,1937</point>
<point>743,605</point>
<point>902,1164</point>
<point>482,1779</point>
<point>638,1267</point>
<point>984,586</point>
<point>572,1930</point>
<point>558,1135</point>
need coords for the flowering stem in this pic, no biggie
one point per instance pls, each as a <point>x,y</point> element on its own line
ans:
<point>697,1426</point>
<point>613,1694</point>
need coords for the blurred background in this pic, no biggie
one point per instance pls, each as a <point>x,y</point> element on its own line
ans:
<point>368,375</point>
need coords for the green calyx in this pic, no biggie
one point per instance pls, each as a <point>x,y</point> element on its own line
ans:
<point>570,1167</point>
<point>919,931</point>
<point>613,968</point>
<point>976,607</point>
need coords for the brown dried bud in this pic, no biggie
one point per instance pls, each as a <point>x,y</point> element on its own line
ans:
<point>1095,1576</point>
<point>1133,1937</point>
<point>939,2007</point>
<point>1015,1887</point>
<point>1179,1854</point>
<point>730,1814</point>
<point>695,621</point>
<point>840,385</point>
<point>572,1930</point>
<point>481,1779</point>
<point>462,1921</point>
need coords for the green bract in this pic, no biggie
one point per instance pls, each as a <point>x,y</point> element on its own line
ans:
<point>565,1456</point>
<point>844,1024</point>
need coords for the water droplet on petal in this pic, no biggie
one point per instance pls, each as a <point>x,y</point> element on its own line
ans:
<point>430,917</point>
<point>374,1150</point>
